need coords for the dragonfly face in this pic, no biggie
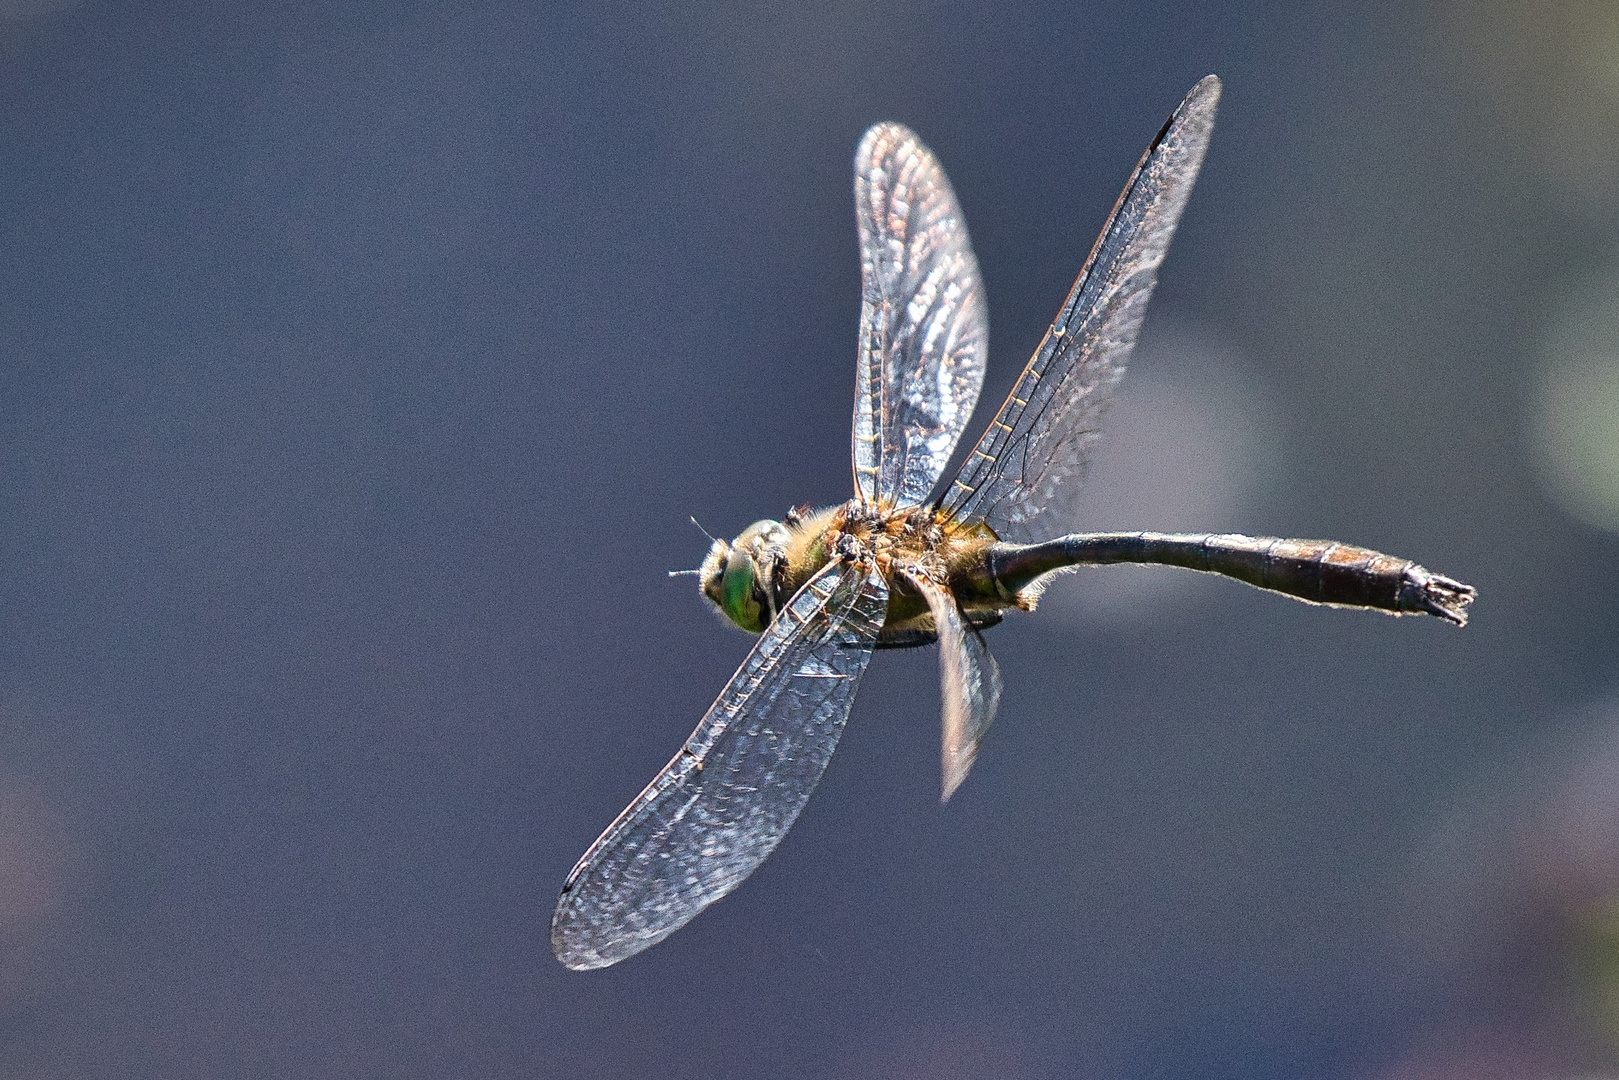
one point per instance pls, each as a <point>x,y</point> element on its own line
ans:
<point>740,577</point>
<point>904,564</point>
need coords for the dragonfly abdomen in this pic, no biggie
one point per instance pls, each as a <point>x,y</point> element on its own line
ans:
<point>1316,571</point>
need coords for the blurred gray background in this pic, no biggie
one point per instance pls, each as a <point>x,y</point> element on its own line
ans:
<point>360,364</point>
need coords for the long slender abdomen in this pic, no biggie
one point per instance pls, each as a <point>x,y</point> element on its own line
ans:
<point>1317,571</point>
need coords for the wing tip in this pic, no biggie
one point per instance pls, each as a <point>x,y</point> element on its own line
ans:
<point>562,947</point>
<point>955,774</point>
<point>1188,127</point>
<point>577,955</point>
<point>879,136</point>
<point>575,962</point>
<point>1202,97</point>
<point>1198,105</point>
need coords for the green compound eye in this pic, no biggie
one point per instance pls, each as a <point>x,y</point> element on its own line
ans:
<point>736,593</point>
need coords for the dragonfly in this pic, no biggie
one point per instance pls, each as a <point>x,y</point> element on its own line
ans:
<point>909,561</point>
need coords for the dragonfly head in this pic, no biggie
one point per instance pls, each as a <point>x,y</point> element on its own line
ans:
<point>740,577</point>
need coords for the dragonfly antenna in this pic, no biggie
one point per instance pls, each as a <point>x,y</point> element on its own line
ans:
<point>705,532</point>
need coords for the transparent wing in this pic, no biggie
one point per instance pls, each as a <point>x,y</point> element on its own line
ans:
<point>924,325</point>
<point>714,812</point>
<point>969,683</point>
<point>1039,439</point>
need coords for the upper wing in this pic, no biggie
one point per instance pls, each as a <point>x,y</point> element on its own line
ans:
<point>714,812</point>
<point>1040,436</point>
<point>924,326</point>
<point>969,683</point>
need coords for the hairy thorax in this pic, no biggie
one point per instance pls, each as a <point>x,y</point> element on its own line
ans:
<point>902,543</point>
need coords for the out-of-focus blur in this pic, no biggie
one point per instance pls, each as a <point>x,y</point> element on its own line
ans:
<point>360,366</point>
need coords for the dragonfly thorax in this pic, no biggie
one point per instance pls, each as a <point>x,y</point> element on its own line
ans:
<point>751,578</point>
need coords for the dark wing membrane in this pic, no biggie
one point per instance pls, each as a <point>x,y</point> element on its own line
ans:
<point>1040,437</point>
<point>924,325</point>
<point>969,683</point>
<point>725,801</point>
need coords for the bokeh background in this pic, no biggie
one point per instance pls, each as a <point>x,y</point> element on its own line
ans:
<point>361,363</point>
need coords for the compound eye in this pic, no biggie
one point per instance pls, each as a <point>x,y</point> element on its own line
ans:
<point>738,597</point>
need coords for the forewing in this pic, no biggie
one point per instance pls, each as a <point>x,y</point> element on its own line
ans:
<point>924,325</point>
<point>1039,439</point>
<point>969,684</point>
<point>714,812</point>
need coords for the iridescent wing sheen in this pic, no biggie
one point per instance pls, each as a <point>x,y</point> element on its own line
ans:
<point>1039,439</point>
<point>969,683</point>
<point>725,801</point>
<point>924,324</point>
